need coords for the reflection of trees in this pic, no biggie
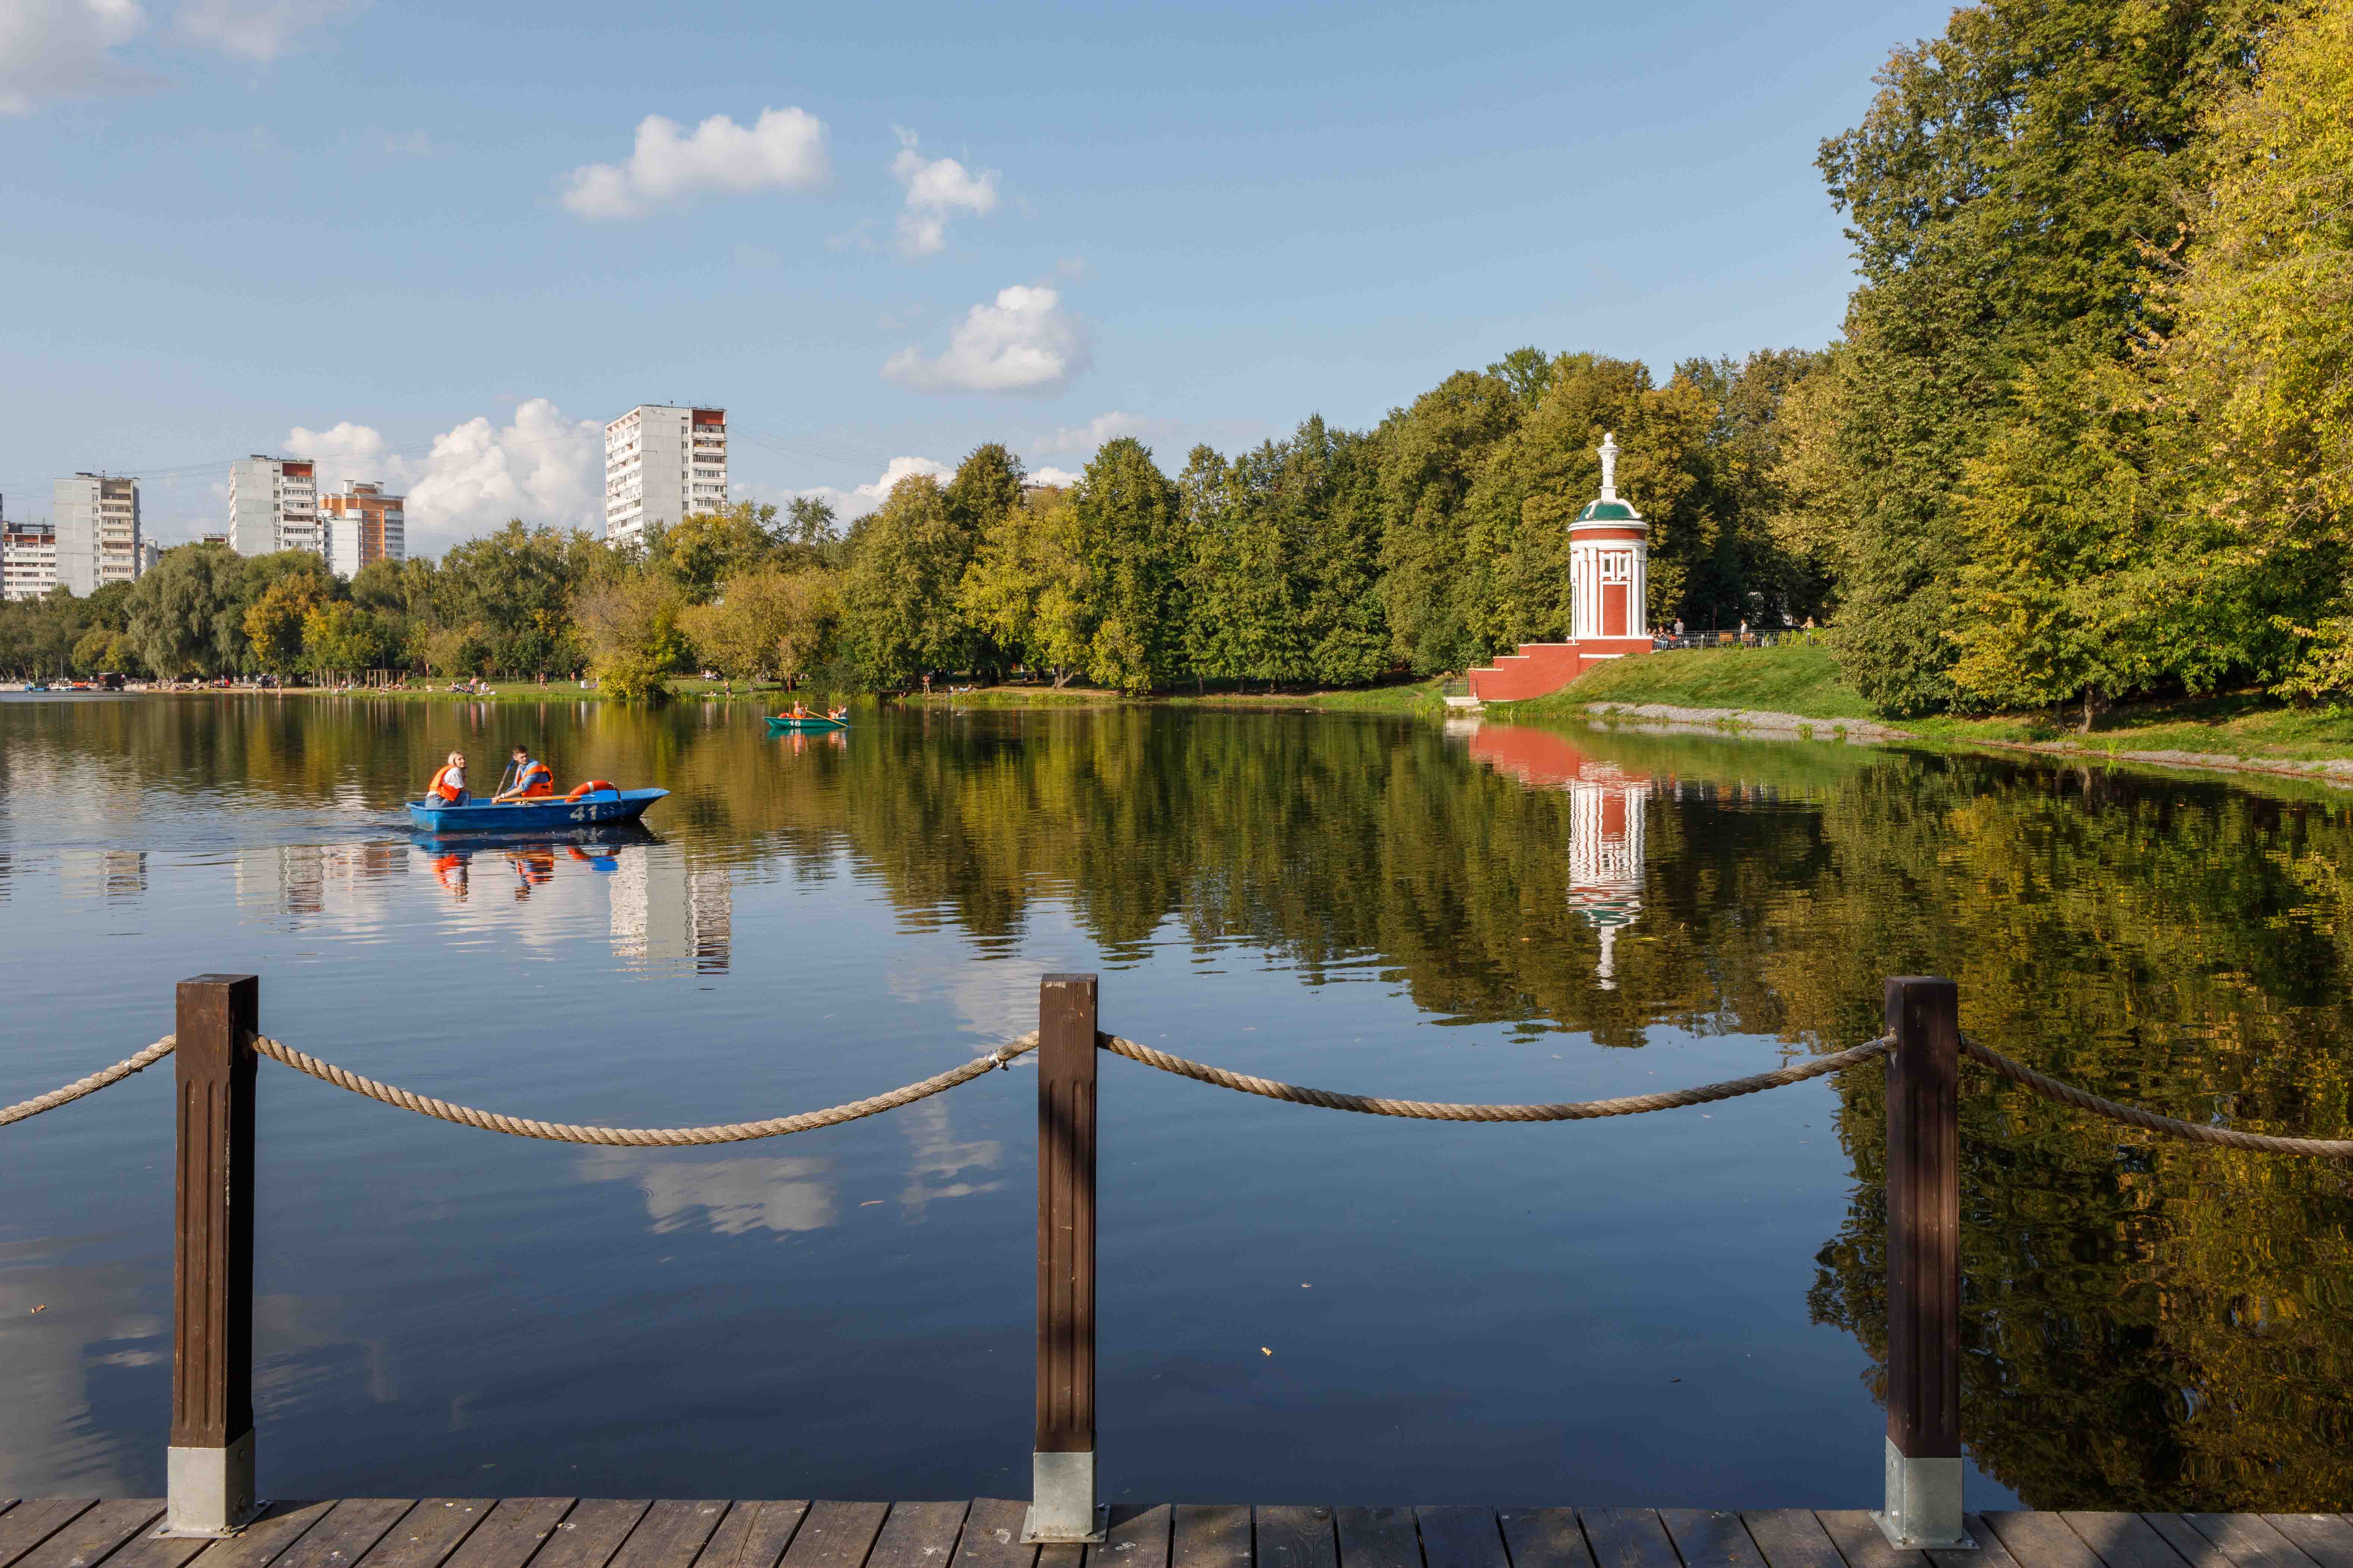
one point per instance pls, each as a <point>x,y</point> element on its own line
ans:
<point>2149,1326</point>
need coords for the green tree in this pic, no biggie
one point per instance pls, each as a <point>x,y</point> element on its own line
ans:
<point>1025,588</point>
<point>705,548</point>
<point>1429,454</point>
<point>2000,190</point>
<point>899,597</point>
<point>1130,544</point>
<point>184,613</point>
<point>630,625</point>
<point>767,622</point>
<point>273,622</point>
<point>338,636</point>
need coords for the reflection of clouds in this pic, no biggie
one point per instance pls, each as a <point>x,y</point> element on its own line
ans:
<point>48,1442</point>
<point>938,1156</point>
<point>291,1335</point>
<point>737,1195</point>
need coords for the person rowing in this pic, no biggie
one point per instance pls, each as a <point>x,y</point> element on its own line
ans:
<point>532,778</point>
<point>450,783</point>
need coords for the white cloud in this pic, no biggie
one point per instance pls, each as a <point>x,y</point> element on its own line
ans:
<point>1061,477</point>
<point>936,188</point>
<point>1022,342</point>
<point>1092,435</point>
<point>542,467</point>
<point>347,451</point>
<point>52,49</point>
<point>784,151</point>
<point>260,30</point>
<point>859,500</point>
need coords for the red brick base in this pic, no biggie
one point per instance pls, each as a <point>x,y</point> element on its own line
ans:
<point>1540,668</point>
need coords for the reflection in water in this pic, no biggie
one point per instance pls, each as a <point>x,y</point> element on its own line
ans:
<point>732,1195</point>
<point>2147,1326</point>
<point>62,1329</point>
<point>665,912</point>
<point>1606,821</point>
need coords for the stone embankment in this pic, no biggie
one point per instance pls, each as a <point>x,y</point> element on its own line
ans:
<point>1668,718</point>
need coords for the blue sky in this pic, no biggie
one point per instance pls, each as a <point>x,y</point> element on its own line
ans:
<point>438,244</point>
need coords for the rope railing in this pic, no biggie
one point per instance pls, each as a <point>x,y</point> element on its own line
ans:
<point>1441,1110</point>
<point>2050,1088</point>
<point>641,1137</point>
<point>2148,1120</point>
<point>68,1093</point>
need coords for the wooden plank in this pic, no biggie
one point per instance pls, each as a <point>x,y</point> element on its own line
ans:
<point>1461,1538</point>
<point>1705,1538</point>
<point>2121,1540</point>
<point>1296,1536</point>
<point>1545,1538</point>
<point>517,1528</point>
<point>1377,1538</point>
<point>428,1532</point>
<point>1863,1543</point>
<point>923,1535</point>
<point>671,1534</point>
<point>1062,1554</point>
<point>2183,1537</point>
<point>1991,1553</point>
<point>29,1523</point>
<point>838,1534</point>
<point>753,1535</point>
<point>2323,1537</point>
<point>1627,1538</point>
<point>1790,1537</point>
<point>92,1536</point>
<point>271,1534</point>
<point>1210,1535</point>
<point>149,1551</point>
<point>1137,1537</point>
<point>2247,1541</point>
<point>348,1533</point>
<point>591,1532</point>
<point>991,1539</point>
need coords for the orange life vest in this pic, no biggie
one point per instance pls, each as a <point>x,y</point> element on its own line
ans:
<point>537,779</point>
<point>439,787</point>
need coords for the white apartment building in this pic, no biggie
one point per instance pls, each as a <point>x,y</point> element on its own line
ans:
<point>273,504</point>
<point>97,523</point>
<point>362,525</point>
<point>29,560</point>
<point>662,464</point>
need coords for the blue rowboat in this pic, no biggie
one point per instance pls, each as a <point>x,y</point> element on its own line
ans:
<point>601,806</point>
<point>814,721</point>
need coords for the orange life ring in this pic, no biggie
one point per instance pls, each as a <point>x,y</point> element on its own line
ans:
<point>590,787</point>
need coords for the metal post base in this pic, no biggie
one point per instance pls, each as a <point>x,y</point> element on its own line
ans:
<point>1924,1504</point>
<point>1064,1512</point>
<point>210,1491</point>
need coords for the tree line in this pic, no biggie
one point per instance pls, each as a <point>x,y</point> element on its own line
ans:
<point>2088,433</point>
<point>1330,557</point>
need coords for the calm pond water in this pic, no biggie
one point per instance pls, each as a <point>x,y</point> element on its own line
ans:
<point>1677,1309</point>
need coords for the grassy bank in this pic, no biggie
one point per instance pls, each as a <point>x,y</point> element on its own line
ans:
<point>1804,679</point>
<point>1420,697</point>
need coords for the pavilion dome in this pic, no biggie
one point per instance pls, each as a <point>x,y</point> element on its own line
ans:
<point>1609,510</point>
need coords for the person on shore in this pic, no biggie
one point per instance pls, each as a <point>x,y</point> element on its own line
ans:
<point>450,783</point>
<point>532,778</point>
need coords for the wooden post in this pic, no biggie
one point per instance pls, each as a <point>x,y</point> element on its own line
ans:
<point>1923,1265</point>
<point>1062,1507</point>
<point>209,1466</point>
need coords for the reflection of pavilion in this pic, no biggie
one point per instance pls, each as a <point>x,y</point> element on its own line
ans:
<point>1605,826</point>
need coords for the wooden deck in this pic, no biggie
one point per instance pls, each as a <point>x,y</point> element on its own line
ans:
<point>567,1532</point>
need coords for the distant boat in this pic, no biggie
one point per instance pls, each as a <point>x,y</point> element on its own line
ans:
<point>597,807</point>
<point>781,721</point>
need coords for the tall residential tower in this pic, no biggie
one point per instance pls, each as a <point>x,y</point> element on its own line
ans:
<point>97,523</point>
<point>662,464</point>
<point>273,505</point>
<point>361,525</point>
